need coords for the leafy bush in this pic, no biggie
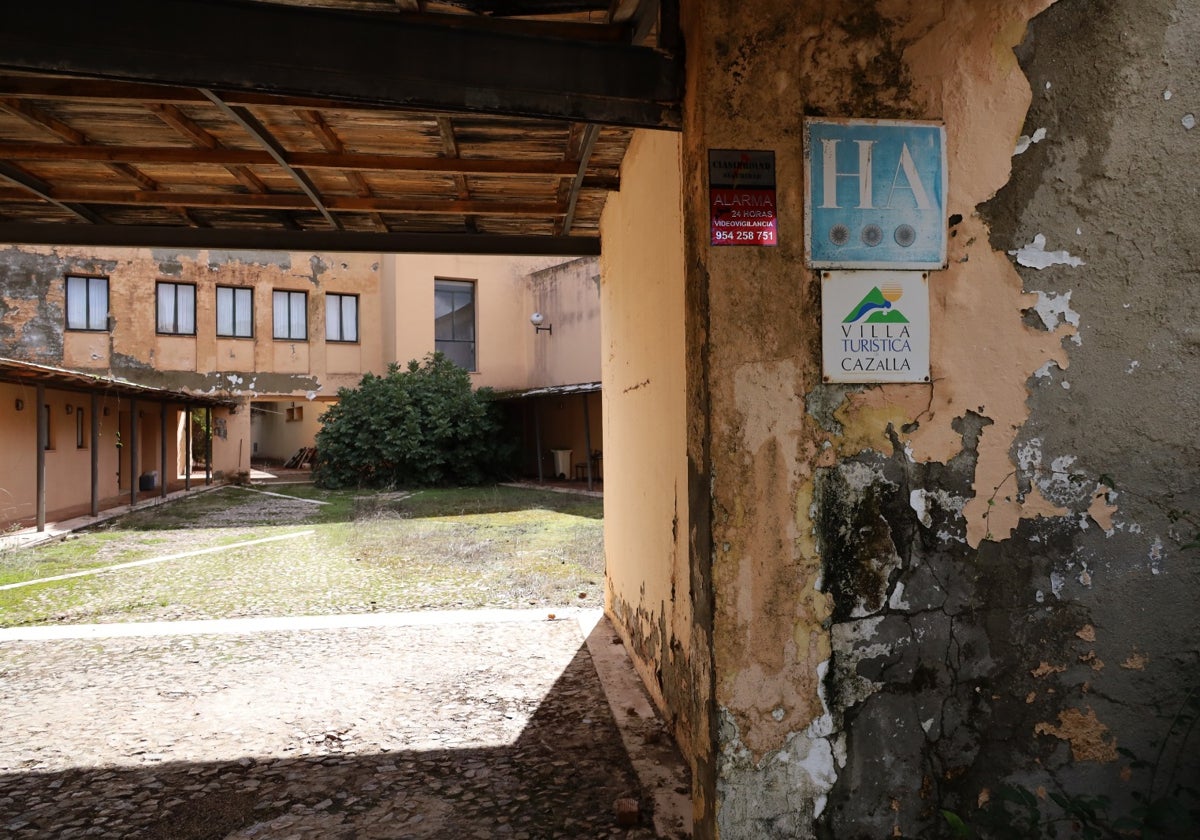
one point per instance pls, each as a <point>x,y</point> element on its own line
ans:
<point>419,426</point>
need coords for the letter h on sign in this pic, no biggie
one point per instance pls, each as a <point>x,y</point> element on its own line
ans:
<point>876,193</point>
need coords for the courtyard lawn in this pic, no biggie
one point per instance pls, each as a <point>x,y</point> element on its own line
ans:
<point>239,552</point>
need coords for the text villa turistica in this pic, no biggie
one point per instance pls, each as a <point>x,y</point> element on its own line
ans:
<point>875,347</point>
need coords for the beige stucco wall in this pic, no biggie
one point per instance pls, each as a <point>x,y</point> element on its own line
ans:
<point>68,466</point>
<point>647,526</point>
<point>568,296</point>
<point>505,339</point>
<point>278,437</point>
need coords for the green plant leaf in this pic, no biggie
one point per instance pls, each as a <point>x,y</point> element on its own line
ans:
<point>956,824</point>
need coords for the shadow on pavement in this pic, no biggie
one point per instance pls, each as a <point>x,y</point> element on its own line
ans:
<point>559,779</point>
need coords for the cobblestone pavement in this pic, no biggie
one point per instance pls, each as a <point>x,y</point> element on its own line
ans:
<point>454,730</point>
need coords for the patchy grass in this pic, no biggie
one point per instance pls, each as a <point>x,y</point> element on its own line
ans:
<point>435,549</point>
<point>497,499</point>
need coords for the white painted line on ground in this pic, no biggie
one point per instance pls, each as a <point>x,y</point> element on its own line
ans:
<point>244,626</point>
<point>285,496</point>
<point>149,561</point>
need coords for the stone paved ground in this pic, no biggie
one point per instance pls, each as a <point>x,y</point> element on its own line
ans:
<point>457,730</point>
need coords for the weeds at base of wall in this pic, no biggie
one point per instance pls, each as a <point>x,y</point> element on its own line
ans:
<point>1167,812</point>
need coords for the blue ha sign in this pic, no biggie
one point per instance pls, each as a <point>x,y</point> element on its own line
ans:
<point>876,194</point>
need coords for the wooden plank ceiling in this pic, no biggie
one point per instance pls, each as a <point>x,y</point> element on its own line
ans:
<point>398,125</point>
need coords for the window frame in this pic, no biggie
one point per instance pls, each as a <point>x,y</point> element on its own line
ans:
<point>234,290</point>
<point>453,284</point>
<point>158,287</point>
<point>87,306</point>
<point>49,418</point>
<point>340,297</point>
<point>274,321</point>
<point>81,432</point>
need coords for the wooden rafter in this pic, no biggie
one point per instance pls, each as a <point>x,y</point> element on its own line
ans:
<point>290,240</point>
<point>332,143</point>
<point>290,201</point>
<point>579,149</point>
<point>222,156</point>
<point>263,136</point>
<point>77,139</point>
<point>30,183</point>
<point>450,150</point>
<point>431,120</point>
<point>181,122</point>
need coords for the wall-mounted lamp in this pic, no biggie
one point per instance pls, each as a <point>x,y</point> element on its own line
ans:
<point>20,404</point>
<point>537,319</point>
<point>70,409</point>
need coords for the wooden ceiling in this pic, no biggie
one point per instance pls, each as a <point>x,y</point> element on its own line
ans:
<point>469,126</point>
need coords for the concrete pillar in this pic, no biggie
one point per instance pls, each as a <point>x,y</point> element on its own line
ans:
<point>737,648</point>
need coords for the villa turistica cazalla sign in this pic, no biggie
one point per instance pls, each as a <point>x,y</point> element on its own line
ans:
<point>874,226</point>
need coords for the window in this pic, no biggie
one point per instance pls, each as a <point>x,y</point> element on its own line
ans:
<point>81,440</point>
<point>235,312</point>
<point>341,317</point>
<point>454,321</point>
<point>47,429</point>
<point>87,303</point>
<point>294,414</point>
<point>176,308</point>
<point>291,315</point>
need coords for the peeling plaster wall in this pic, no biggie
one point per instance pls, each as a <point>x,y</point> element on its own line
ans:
<point>913,591</point>
<point>1013,598</point>
<point>32,318</point>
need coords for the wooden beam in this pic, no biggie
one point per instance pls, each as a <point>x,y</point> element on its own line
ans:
<point>332,143</point>
<point>218,155</point>
<point>393,60</point>
<point>40,119</point>
<point>186,126</point>
<point>291,201</point>
<point>154,236</point>
<point>31,183</point>
<point>512,8</point>
<point>450,150</point>
<point>40,457</point>
<point>263,136</point>
<point>81,89</point>
<point>587,143</point>
<point>77,139</point>
<point>94,443</point>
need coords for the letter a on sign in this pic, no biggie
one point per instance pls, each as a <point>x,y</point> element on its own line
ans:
<point>876,194</point>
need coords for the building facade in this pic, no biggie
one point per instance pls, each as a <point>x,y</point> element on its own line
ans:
<point>273,337</point>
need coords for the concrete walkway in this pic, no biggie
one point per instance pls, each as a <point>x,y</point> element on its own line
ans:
<point>488,724</point>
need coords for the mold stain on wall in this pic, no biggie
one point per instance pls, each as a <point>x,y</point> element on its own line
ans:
<point>987,541</point>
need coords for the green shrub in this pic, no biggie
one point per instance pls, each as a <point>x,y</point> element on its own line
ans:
<point>414,427</point>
